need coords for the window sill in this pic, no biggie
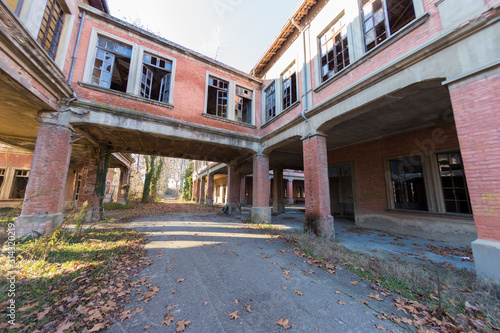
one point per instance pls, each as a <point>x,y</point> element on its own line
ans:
<point>125,95</point>
<point>422,212</point>
<point>366,57</point>
<point>234,122</point>
<point>273,119</point>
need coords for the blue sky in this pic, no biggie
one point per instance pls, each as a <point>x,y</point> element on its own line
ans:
<point>238,31</point>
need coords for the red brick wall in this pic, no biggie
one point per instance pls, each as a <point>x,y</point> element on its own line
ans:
<point>476,105</point>
<point>261,185</point>
<point>189,85</point>
<point>16,161</point>
<point>368,161</point>
<point>45,190</point>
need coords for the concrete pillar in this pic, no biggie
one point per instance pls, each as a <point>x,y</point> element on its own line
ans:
<point>261,212</point>
<point>475,101</point>
<point>278,195</point>
<point>290,192</point>
<point>317,191</point>
<point>233,186</point>
<point>122,192</point>
<point>242,191</point>
<point>44,196</point>
<point>202,191</point>
<point>210,190</point>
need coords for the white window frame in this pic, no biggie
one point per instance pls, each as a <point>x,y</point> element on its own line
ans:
<point>276,100</point>
<point>292,65</point>
<point>238,85</point>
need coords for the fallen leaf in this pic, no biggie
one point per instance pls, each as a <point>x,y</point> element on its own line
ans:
<point>311,272</point>
<point>247,307</point>
<point>236,301</point>
<point>181,325</point>
<point>167,320</point>
<point>284,323</point>
<point>147,327</point>
<point>380,327</point>
<point>27,307</point>
<point>180,280</point>
<point>97,328</point>
<point>126,315</point>
<point>286,272</point>
<point>64,326</point>
<point>173,291</point>
<point>354,283</point>
<point>337,292</point>
<point>171,307</point>
<point>205,303</point>
<point>298,292</point>
<point>287,277</point>
<point>234,315</point>
<point>375,296</point>
<point>284,288</point>
<point>341,303</point>
<point>139,310</point>
<point>365,302</point>
<point>42,315</point>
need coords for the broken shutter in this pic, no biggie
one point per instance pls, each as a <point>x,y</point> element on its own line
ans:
<point>146,82</point>
<point>165,89</point>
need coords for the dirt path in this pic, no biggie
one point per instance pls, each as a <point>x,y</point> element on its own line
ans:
<point>205,267</point>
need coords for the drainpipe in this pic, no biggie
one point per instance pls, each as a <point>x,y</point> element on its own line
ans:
<point>304,70</point>
<point>73,61</point>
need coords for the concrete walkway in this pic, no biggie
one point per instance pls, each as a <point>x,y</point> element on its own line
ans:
<point>227,265</point>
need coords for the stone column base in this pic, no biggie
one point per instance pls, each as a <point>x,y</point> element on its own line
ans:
<point>320,225</point>
<point>43,223</point>
<point>201,202</point>
<point>261,215</point>
<point>210,202</point>
<point>486,258</point>
<point>234,208</point>
<point>290,202</point>
<point>279,208</point>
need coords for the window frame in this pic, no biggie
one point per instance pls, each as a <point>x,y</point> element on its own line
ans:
<point>344,29</point>
<point>292,66</point>
<point>252,107</point>
<point>272,84</point>
<point>13,186</point>
<point>171,72</point>
<point>229,92</point>
<point>426,181</point>
<point>417,12</point>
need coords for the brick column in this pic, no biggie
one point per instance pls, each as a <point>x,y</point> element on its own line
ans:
<point>233,186</point>
<point>290,192</point>
<point>202,191</point>
<point>88,185</point>
<point>197,192</point>
<point>242,191</point>
<point>317,191</point>
<point>44,197</point>
<point>261,212</point>
<point>476,104</point>
<point>210,190</point>
<point>278,204</point>
<point>122,192</point>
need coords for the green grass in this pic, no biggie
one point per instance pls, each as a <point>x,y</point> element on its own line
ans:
<point>117,206</point>
<point>67,264</point>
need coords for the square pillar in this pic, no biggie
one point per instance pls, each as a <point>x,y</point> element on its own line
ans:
<point>476,101</point>
<point>122,190</point>
<point>197,192</point>
<point>202,191</point>
<point>278,193</point>
<point>44,196</point>
<point>210,190</point>
<point>242,191</point>
<point>261,212</point>
<point>317,191</point>
<point>234,183</point>
<point>290,192</point>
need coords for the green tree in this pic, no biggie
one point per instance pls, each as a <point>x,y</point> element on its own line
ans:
<point>187,189</point>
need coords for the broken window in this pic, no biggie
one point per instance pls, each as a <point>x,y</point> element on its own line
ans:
<point>408,186</point>
<point>453,182</point>
<point>2,177</point>
<point>243,105</point>
<point>20,183</point>
<point>156,76</point>
<point>78,186</point>
<point>334,50</point>
<point>382,18</point>
<point>217,97</point>
<point>50,31</point>
<point>270,102</point>
<point>289,86</point>
<point>112,64</point>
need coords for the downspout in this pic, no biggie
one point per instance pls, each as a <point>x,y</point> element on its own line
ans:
<point>73,61</point>
<point>304,70</point>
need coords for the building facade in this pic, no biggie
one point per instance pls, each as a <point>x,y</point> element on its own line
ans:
<point>390,109</point>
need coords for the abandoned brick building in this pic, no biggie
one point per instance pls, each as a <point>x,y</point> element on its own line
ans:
<point>387,106</point>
